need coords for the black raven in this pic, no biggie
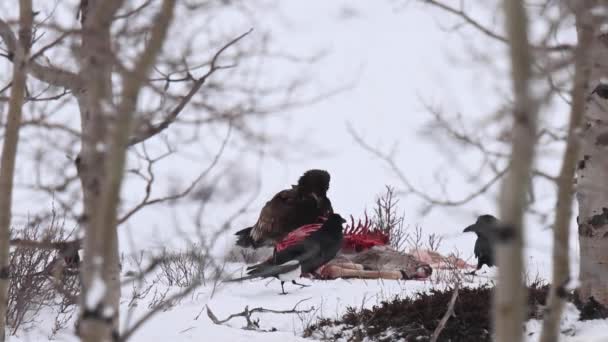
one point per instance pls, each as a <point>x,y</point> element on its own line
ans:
<point>289,209</point>
<point>305,254</point>
<point>484,227</point>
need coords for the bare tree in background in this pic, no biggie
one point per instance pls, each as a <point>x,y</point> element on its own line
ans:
<point>101,175</point>
<point>488,139</point>
<point>131,70</point>
<point>509,296</point>
<point>563,73</point>
<point>563,212</point>
<point>582,137</point>
<point>9,148</point>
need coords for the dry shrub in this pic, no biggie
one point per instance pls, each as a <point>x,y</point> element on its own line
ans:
<point>386,218</point>
<point>183,268</point>
<point>34,281</point>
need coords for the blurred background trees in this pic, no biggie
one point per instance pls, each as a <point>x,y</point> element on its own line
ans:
<point>208,95</point>
<point>115,89</point>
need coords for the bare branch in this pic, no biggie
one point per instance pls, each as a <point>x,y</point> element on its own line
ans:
<point>61,245</point>
<point>411,189</point>
<point>146,201</point>
<point>486,31</point>
<point>246,313</point>
<point>449,312</point>
<point>151,131</point>
<point>133,11</point>
<point>49,74</point>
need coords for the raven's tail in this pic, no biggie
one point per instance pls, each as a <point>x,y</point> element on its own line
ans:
<point>269,271</point>
<point>239,279</point>
<point>244,238</point>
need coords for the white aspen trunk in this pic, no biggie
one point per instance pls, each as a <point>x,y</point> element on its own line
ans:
<point>99,317</point>
<point>9,149</point>
<point>101,259</point>
<point>592,173</point>
<point>509,295</point>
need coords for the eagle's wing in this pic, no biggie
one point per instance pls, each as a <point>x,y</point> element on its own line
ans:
<point>275,216</point>
<point>326,207</point>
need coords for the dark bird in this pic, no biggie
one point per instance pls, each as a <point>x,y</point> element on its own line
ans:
<point>289,209</point>
<point>66,250</point>
<point>484,227</point>
<point>302,251</point>
<point>601,90</point>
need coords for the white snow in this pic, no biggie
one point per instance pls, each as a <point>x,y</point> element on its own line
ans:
<point>108,311</point>
<point>572,330</point>
<point>293,274</point>
<point>96,292</point>
<point>600,11</point>
<point>100,147</point>
<point>187,319</point>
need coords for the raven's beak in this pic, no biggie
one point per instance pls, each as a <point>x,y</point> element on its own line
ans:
<point>342,220</point>
<point>470,228</point>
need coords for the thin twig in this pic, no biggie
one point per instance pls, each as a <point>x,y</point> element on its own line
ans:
<point>488,32</point>
<point>411,189</point>
<point>446,316</point>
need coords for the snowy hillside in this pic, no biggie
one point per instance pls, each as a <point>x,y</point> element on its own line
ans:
<point>187,320</point>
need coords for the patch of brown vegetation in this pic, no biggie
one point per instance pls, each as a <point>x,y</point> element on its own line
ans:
<point>415,319</point>
<point>590,309</point>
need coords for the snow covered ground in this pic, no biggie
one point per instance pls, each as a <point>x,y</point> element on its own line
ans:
<point>572,329</point>
<point>188,320</point>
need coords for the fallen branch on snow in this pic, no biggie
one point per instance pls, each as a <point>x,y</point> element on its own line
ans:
<point>447,315</point>
<point>255,324</point>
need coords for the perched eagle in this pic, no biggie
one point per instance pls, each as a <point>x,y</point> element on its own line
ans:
<point>302,251</point>
<point>289,209</point>
<point>485,228</point>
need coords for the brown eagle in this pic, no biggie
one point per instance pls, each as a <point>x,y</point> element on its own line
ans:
<point>289,209</point>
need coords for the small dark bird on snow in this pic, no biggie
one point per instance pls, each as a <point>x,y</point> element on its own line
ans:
<point>302,251</point>
<point>484,227</point>
<point>289,209</point>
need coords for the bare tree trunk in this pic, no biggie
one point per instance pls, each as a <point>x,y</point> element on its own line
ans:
<point>592,178</point>
<point>563,215</point>
<point>9,149</point>
<point>101,244</point>
<point>100,268</point>
<point>509,308</point>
